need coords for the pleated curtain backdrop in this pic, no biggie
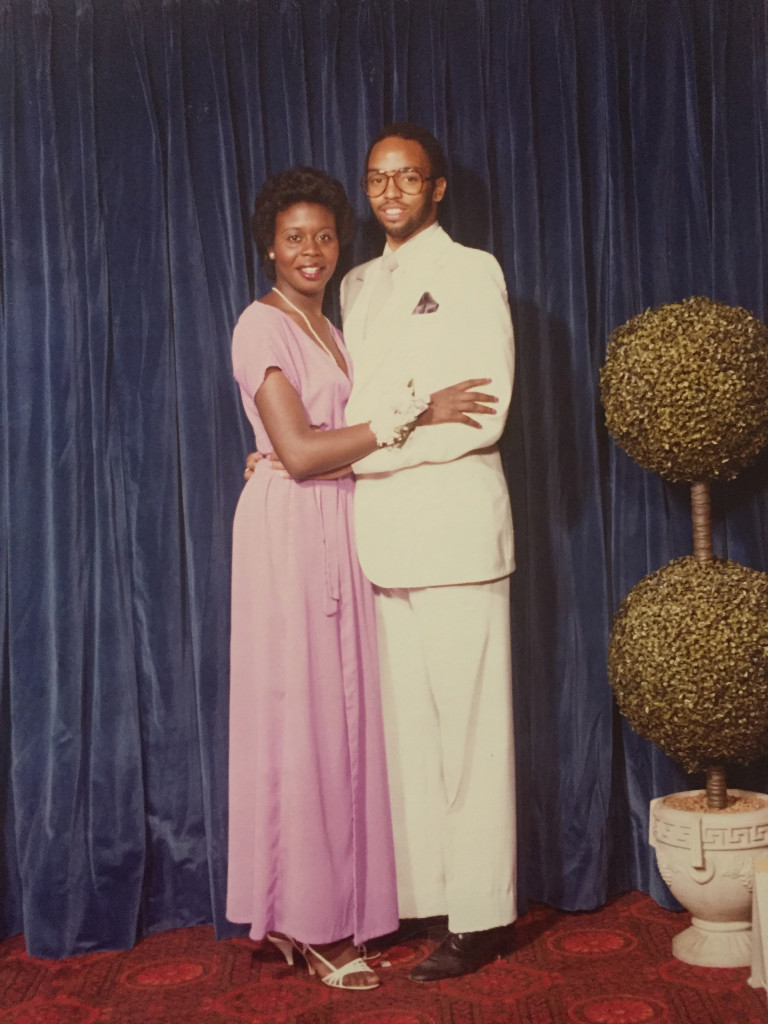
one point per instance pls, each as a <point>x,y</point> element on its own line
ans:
<point>611,154</point>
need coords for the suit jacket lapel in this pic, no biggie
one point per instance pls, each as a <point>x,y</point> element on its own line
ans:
<point>372,345</point>
<point>391,332</point>
<point>356,303</point>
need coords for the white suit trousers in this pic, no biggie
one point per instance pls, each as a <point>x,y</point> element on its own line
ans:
<point>447,699</point>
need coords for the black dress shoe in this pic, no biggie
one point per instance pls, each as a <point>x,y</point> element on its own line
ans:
<point>462,953</point>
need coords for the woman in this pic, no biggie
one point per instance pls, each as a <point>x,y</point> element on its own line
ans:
<point>310,849</point>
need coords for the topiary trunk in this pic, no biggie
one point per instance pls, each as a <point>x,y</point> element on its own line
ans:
<point>717,790</point>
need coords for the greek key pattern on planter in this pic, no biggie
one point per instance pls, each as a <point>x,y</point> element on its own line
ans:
<point>743,838</point>
<point>721,837</point>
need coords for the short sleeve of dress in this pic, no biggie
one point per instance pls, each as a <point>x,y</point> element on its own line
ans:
<point>260,341</point>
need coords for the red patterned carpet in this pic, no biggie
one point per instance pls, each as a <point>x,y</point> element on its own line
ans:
<point>613,966</point>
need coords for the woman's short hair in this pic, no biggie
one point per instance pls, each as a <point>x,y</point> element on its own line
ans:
<point>298,185</point>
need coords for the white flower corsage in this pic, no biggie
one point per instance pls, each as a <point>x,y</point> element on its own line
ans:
<point>392,426</point>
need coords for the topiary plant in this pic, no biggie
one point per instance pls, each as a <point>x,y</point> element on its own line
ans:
<point>689,661</point>
<point>685,391</point>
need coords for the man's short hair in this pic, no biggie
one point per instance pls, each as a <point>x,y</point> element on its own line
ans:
<point>409,130</point>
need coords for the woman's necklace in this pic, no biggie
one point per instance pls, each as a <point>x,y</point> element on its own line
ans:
<point>305,318</point>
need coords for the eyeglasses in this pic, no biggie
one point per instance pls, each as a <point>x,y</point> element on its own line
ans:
<point>409,180</point>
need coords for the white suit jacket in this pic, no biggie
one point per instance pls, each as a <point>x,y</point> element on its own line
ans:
<point>435,511</point>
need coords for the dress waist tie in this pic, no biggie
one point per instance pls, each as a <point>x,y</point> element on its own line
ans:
<point>328,507</point>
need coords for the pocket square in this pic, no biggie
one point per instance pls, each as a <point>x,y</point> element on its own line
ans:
<point>426,304</point>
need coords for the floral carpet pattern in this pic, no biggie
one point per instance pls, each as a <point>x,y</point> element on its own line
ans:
<point>613,966</point>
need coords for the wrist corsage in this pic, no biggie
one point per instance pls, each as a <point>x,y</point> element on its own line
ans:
<point>393,426</point>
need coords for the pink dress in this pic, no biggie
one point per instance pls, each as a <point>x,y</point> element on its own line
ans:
<point>310,840</point>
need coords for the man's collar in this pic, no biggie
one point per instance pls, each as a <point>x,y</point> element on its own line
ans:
<point>410,252</point>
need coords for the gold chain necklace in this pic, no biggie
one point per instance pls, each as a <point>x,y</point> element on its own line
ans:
<point>305,318</point>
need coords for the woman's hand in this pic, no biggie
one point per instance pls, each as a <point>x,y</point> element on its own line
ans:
<point>453,404</point>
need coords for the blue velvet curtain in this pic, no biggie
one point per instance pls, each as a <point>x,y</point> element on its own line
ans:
<point>612,154</point>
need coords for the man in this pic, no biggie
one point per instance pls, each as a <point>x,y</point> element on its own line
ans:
<point>434,535</point>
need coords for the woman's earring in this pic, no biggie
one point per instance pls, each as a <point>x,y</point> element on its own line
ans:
<point>271,255</point>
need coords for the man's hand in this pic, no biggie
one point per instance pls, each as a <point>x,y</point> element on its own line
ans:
<point>275,464</point>
<point>256,457</point>
<point>250,464</point>
<point>453,404</point>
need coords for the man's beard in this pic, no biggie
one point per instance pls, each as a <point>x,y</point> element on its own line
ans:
<point>412,224</point>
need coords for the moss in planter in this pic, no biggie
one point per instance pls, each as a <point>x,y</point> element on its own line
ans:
<point>685,389</point>
<point>688,661</point>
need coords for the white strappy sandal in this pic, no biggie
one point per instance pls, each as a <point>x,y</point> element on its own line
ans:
<point>336,975</point>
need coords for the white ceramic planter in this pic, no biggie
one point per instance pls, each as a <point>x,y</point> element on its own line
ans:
<point>706,860</point>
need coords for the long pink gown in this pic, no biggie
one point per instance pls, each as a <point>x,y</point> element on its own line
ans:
<point>310,841</point>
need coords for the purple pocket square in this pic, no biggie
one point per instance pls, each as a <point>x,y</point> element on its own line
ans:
<point>426,304</point>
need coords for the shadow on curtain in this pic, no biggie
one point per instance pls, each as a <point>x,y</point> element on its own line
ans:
<point>613,157</point>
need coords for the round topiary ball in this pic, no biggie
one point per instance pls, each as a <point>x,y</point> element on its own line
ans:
<point>688,661</point>
<point>685,389</point>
